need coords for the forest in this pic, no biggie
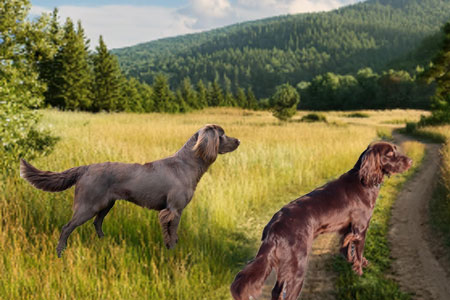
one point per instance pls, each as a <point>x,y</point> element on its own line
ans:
<point>373,55</point>
<point>263,54</point>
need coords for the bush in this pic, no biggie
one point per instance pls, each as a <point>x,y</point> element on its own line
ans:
<point>284,102</point>
<point>357,115</point>
<point>313,117</point>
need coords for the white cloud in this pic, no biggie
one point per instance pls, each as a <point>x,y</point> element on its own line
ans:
<point>126,25</point>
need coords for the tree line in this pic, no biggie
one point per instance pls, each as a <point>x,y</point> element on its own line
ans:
<point>289,49</point>
<point>78,79</point>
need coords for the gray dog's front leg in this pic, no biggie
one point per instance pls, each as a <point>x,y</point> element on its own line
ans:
<point>169,221</point>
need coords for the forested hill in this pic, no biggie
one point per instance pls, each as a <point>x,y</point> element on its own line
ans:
<point>263,54</point>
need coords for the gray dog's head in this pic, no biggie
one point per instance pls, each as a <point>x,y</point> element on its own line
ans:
<point>211,140</point>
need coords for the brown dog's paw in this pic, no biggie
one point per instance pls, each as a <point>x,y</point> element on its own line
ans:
<point>358,269</point>
<point>364,262</point>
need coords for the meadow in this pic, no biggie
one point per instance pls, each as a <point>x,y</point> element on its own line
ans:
<point>220,229</point>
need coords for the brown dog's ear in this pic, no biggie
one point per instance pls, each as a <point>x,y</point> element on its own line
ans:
<point>370,172</point>
<point>207,146</point>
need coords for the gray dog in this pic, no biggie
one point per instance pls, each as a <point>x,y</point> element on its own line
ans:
<point>166,185</point>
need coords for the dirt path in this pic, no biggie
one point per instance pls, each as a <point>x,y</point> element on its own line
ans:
<point>319,282</point>
<point>415,266</point>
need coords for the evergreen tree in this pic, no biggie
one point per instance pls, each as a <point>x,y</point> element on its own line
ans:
<point>180,102</point>
<point>215,94</point>
<point>146,92</point>
<point>106,88</point>
<point>202,98</point>
<point>71,87</point>
<point>284,102</point>
<point>228,99</point>
<point>47,65</point>
<point>241,98</point>
<point>188,94</point>
<point>251,100</point>
<point>131,98</point>
<point>162,95</point>
<point>440,73</point>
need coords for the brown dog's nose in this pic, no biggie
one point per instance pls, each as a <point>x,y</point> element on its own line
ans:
<point>238,142</point>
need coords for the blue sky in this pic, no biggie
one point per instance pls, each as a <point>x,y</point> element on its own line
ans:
<point>126,23</point>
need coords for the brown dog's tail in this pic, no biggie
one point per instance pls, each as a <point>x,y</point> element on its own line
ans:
<point>249,282</point>
<point>50,181</point>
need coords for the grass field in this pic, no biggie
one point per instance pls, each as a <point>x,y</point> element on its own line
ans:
<point>220,228</point>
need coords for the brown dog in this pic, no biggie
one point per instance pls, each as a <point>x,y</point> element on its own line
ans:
<point>344,205</point>
<point>166,185</point>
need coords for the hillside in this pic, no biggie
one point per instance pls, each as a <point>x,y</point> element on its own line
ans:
<point>293,48</point>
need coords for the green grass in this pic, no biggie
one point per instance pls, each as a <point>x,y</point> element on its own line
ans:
<point>374,284</point>
<point>440,203</point>
<point>219,230</point>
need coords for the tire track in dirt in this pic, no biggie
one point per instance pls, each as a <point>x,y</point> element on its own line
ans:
<point>412,242</point>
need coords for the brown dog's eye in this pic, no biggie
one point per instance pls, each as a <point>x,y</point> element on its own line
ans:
<point>390,154</point>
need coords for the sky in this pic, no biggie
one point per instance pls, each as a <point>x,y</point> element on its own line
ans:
<point>125,23</point>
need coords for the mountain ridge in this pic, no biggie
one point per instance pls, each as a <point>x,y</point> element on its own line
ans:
<point>291,48</point>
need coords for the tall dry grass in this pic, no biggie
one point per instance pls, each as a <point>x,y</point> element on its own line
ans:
<point>219,229</point>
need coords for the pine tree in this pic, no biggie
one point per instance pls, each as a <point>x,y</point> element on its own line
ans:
<point>440,73</point>
<point>229,98</point>
<point>107,86</point>
<point>241,99</point>
<point>188,94</point>
<point>215,94</point>
<point>146,92</point>
<point>252,102</point>
<point>162,95</point>
<point>202,99</point>
<point>71,87</point>
<point>131,98</point>
<point>47,65</point>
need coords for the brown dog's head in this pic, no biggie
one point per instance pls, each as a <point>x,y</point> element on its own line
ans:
<point>211,140</point>
<point>379,159</point>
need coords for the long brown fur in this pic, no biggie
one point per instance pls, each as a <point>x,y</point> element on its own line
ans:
<point>344,205</point>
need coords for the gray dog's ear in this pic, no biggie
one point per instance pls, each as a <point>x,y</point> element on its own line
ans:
<point>370,172</point>
<point>207,146</point>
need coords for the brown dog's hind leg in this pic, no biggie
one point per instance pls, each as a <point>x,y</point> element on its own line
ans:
<point>276,291</point>
<point>99,219</point>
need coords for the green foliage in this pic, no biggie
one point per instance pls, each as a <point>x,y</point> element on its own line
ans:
<point>313,117</point>
<point>357,115</point>
<point>391,89</point>
<point>284,102</point>
<point>440,74</point>
<point>70,88</point>
<point>266,53</point>
<point>20,88</point>
<point>107,84</point>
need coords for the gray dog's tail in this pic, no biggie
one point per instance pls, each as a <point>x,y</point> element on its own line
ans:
<point>249,282</point>
<point>50,181</point>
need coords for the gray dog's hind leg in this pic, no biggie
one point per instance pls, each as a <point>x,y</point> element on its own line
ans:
<point>99,219</point>
<point>78,219</point>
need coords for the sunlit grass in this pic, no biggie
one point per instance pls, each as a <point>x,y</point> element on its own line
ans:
<point>220,228</point>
